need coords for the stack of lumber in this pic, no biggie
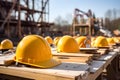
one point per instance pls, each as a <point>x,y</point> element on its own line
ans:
<point>74,66</point>
<point>103,51</point>
<point>6,59</point>
<point>72,57</point>
<point>86,55</point>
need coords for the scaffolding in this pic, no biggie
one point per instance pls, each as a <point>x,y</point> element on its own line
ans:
<point>21,17</point>
<point>81,25</point>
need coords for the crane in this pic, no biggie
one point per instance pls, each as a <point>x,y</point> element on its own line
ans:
<point>94,24</point>
<point>88,14</point>
<point>79,14</point>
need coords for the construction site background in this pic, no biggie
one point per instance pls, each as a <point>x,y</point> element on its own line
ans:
<point>17,19</point>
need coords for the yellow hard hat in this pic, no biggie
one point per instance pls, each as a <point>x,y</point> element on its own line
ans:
<point>56,39</point>
<point>67,44</point>
<point>82,41</point>
<point>100,42</point>
<point>6,44</point>
<point>92,41</point>
<point>35,51</point>
<point>49,39</point>
<point>116,39</point>
<point>93,38</point>
<point>110,41</point>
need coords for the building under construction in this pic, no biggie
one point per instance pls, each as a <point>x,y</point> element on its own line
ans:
<point>90,25</point>
<point>22,17</point>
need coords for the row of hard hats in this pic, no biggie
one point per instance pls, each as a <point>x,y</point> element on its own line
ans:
<point>104,42</point>
<point>51,41</point>
<point>56,39</point>
<point>34,50</point>
<point>100,42</point>
<point>63,43</point>
<point>95,42</point>
<point>84,41</point>
<point>71,44</point>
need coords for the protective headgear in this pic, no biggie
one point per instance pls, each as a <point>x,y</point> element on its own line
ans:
<point>67,44</point>
<point>56,39</point>
<point>93,38</point>
<point>6,44</point>
<point>92,41</point>
<point>49,39</point>
<point>110,41</point>
<point>116,39</point>
<point>82,41</point>
<point>100,42</point>
<point>35,51</point>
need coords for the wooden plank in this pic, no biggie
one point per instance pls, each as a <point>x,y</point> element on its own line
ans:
<point>65,71</point>
<point>6,59</point>
<point>74,59</point>
<point>80,54</point>
<point>86,52</point>
<point>103,51</point>
<point>72,54</point>
<point>108,56</point>
<point>95,69</point>
<point>105,47</point>
<point>81,25</point>
<point>94,53</point>
<point>116,50</point>
<point>98,66</point>
<point>88,49</point>
<point>31,75</point>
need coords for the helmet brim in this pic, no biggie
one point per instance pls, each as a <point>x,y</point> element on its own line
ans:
<point>45,64</point>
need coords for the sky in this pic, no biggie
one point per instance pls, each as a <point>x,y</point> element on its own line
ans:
<point>64,8</point>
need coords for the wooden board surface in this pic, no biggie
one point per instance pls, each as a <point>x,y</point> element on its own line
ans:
<point>65,70</point>
<point>93,54</point>
<point>80,54</point>
<point>96,69</point>
<point>73,59</point>
<point>108,56</point>
<point>54,52</point>
<point>96,65</point>
<point>69,70</point>
<point>72,54</point>
<point>88,49</point>
<point>103,51</point>
<point>116,50</point>
<point>6,59</point>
